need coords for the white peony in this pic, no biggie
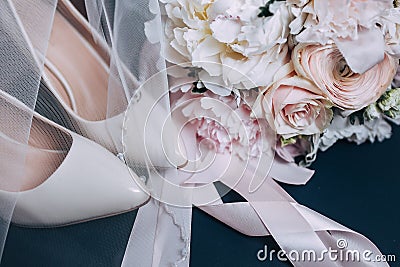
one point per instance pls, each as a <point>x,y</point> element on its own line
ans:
<point>362,29</point>
<point>227,39</point>
<point>389,23</point>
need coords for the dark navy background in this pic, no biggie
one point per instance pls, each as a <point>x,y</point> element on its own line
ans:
<point>357,186</point>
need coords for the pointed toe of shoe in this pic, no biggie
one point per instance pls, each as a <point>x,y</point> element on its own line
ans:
<point>91,183</point>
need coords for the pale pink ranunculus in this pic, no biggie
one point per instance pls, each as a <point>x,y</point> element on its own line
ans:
<point>294,106</point>
<point>327,68</point>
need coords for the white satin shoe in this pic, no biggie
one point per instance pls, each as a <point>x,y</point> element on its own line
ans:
<point>74,92</point>
<point>67,178</point>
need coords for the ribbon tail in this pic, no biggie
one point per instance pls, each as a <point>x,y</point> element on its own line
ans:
<point>244,218</point>
<point>160,237</point>
<point>297,228</point>
<point>239,216</point>
<point>140,247</point>
<point>290,173</point>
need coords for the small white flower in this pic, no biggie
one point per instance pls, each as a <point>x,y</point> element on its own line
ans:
<point>389,103</point>
<point>341,128</point>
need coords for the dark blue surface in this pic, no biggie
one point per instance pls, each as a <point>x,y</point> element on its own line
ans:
<point>357,186</point>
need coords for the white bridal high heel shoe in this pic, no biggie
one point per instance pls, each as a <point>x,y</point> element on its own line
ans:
<point>67,178</point>
<point>75,89</point>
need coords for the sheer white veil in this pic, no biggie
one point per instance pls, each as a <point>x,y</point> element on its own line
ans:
<point>134,31</point>
<point>133,57</point>
<point>24,33</point>
<point>122,24</point>
<point>25,28</point>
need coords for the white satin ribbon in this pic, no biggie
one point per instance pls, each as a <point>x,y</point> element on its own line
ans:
<point>269,211</point>
<point>160,236</point>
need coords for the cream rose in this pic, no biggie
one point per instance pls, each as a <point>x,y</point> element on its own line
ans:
<point>327,68</point>
<point>227,39</point>
<point>294,106</point>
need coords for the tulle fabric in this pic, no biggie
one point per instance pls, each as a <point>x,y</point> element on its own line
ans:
<point>126,25</point>
<point>133,58</point>
<point>122,25</point>
<point>24,32</point>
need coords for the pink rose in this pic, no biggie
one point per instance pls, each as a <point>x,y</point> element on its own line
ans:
<point>294,106</point>
<point>327,68</point>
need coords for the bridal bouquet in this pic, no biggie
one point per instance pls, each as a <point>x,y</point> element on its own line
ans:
<point>315,71</point>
